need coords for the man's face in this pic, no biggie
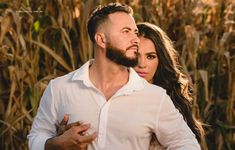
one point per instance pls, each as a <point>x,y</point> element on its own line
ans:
<point>122,41</point>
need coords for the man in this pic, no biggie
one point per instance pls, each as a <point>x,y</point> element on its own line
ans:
<point>117,109</point>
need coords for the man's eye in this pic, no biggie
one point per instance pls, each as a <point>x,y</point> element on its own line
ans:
<point>126,31</point>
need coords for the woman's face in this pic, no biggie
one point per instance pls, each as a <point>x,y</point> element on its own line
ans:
<point>148,59</point>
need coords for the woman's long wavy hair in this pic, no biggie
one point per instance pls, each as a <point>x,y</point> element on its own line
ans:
<point>169,75</point>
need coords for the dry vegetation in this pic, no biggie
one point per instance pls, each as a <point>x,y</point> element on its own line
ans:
<point>40,40</point>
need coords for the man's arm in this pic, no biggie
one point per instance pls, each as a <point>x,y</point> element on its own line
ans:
<point>44,122</point>
<point>43,134</point>
<point>171,130</point>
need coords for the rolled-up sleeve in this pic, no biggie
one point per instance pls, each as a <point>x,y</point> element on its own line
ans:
<point>43,126</point>
<point>171,129</point>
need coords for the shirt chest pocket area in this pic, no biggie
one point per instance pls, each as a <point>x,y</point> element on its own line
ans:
<point>79,113</point>
<point>129,123</point>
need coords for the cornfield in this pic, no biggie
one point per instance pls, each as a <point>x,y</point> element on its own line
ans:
<point>41,40</point>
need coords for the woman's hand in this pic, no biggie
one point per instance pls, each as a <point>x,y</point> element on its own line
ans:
<point>71,136</point>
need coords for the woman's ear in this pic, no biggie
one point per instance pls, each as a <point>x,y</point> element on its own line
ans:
<point>100,39</point>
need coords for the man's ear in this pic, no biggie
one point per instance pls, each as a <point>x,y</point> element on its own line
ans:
<point>100,39</point>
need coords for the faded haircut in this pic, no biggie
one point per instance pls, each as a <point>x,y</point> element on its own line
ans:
<point>100,15</point>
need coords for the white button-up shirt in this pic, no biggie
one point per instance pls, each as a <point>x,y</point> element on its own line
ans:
<point>125,122</point>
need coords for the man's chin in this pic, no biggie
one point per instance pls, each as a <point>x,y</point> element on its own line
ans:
<point>130,62</point>
<point>131,56</point>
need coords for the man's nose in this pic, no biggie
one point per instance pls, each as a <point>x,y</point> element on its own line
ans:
<point>135,40</point>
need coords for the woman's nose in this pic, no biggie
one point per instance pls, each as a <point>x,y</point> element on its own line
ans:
<point>141,63</point>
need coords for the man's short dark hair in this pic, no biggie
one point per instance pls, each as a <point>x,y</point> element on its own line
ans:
<point>100,14</point>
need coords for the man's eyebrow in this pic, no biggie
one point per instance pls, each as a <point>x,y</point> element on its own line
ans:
<point>128,28</point>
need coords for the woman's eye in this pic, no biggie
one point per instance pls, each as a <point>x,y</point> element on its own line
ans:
<point>151,57</point>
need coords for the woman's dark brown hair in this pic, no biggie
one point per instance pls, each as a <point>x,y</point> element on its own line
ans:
<point>169,75</point>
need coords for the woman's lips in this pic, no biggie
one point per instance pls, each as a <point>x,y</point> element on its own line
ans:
<point>142,74</point>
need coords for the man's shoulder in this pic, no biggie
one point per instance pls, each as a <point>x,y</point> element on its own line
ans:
<point>154,88</point>
<point>64,78</point>
<point>152,93</point>
<point>78,74</point>
<point>65,82</point>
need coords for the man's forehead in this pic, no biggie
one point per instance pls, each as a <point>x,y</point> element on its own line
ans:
<point>120,15</point>
<point>122,19</point>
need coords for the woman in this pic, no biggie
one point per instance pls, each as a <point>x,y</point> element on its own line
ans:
<point>158,64</point>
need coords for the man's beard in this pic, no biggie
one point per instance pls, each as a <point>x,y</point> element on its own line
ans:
<point>116,55</point>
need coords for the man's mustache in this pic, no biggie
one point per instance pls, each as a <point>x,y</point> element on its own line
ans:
<point>133,46</point>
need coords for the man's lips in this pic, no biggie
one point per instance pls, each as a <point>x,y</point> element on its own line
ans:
<point>133,47</point>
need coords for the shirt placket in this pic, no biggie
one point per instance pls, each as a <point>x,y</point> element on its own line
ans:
<point>103,124</point>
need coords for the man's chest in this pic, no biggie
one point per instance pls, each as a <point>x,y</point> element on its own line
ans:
<point>122,115</point>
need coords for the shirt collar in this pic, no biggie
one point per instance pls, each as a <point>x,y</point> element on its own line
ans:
<point>82,74</point>
<point>135,82</point>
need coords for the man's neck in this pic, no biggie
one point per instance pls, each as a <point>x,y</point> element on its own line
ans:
<point>108,77</point>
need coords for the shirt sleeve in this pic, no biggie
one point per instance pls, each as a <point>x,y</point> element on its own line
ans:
<point>43,126</point>
<point>171,130</point>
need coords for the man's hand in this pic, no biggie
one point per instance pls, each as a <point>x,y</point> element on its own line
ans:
<point>71,136</point>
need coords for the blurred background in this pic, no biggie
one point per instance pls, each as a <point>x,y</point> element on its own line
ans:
<point>44,39</point>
